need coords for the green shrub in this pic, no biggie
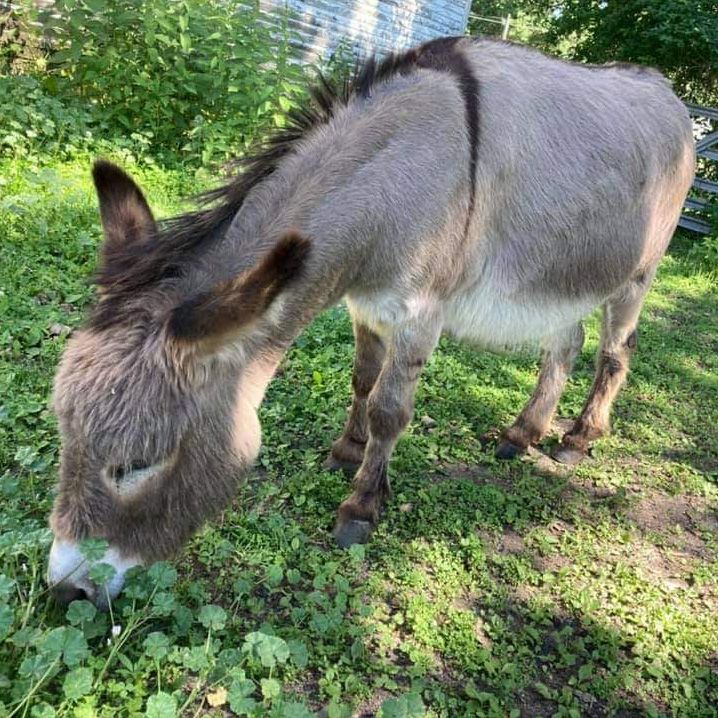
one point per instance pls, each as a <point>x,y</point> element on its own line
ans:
<point>194,78</point>
<point>20,43</point>
<point>32,120</point>
<point>704,251</point>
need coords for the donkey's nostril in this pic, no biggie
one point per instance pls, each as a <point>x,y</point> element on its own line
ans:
<point>66,593</point>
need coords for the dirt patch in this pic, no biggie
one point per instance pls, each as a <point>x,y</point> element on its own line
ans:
<point>511,543</point>
<point>307,690</point>
<point>474,472</point>
<point>367,708</point>
<point>681,521</point>
<point>661,567</point>
<point>551,563</point>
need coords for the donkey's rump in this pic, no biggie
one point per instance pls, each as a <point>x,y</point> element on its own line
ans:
<point>571,159</point>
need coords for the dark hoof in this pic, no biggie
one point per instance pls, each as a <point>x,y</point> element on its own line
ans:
<point>567,454</point>
<point>331,463</point>
<point>508,450</point>
<point>352,531</point>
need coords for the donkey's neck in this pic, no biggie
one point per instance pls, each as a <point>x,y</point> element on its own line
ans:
<point>338,188</point>
<point>347,188</point>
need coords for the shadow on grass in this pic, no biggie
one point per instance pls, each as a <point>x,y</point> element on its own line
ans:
<point>552,623</point>
<point>591,590</point>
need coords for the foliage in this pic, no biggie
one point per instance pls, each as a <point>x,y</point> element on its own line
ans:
<point>680,37</point>
<point>185,80</point>
<point>526,24</point>
<point>33,120</point>
<point>200,77</point>
<point>21,46</point>
<point>490,589</point>
<point>704,251</point>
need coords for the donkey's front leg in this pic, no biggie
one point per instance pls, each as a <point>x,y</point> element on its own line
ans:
<point>389,409</point>
<point>348,450</point>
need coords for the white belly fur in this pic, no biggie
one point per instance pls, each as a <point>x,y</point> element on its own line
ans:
<point>486,317</point>
<point>479,315</point>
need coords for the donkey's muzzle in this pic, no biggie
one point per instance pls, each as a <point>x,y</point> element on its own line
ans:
<point>68,574</point>
<point>66,592</point>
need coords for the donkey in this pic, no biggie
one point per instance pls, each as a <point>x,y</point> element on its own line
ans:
<point>474,187</point>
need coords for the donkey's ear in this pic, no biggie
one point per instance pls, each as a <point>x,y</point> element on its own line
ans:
<point>214,317</point>
<point>126,216</point>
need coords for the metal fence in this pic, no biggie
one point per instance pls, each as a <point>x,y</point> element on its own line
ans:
<point>706,189</point>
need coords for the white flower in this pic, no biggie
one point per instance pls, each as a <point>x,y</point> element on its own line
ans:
<point>116,630</point>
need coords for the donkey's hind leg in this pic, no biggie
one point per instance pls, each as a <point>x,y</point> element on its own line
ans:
<point>348,450</point>
<point>618,340</point>
<point>389,408</point>
<point>559,352</point>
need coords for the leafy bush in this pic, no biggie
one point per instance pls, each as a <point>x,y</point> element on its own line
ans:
<point>195,78</point>
<point>679,37</point>
<point>30,119</point>
<point>20,44</point>
<point>187,79</point>
<point>704,251</point>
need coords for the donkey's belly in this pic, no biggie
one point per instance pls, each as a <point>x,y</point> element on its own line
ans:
<point>489,318</point>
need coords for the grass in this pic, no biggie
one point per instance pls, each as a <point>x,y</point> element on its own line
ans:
<point>490,589</point>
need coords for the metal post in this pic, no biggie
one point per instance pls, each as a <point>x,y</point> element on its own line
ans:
<point>507,25</point>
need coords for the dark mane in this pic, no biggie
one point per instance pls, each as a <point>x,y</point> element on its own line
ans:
<point>163,255</point>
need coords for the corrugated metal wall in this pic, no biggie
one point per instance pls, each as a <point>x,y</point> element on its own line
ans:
<point>369,26</point>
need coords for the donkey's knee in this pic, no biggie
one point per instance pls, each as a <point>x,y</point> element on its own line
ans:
<point>385,419</point>
<point>347,451</point>
<point>388,415</point>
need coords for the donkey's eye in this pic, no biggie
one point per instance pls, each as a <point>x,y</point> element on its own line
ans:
<point>129,477</point>
<point>119,472</point>
<point>126,479</point>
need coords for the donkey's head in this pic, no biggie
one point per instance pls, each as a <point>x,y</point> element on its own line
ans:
<point>155,427</point>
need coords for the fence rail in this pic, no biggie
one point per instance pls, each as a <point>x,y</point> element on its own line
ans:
<point>706,147</point>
